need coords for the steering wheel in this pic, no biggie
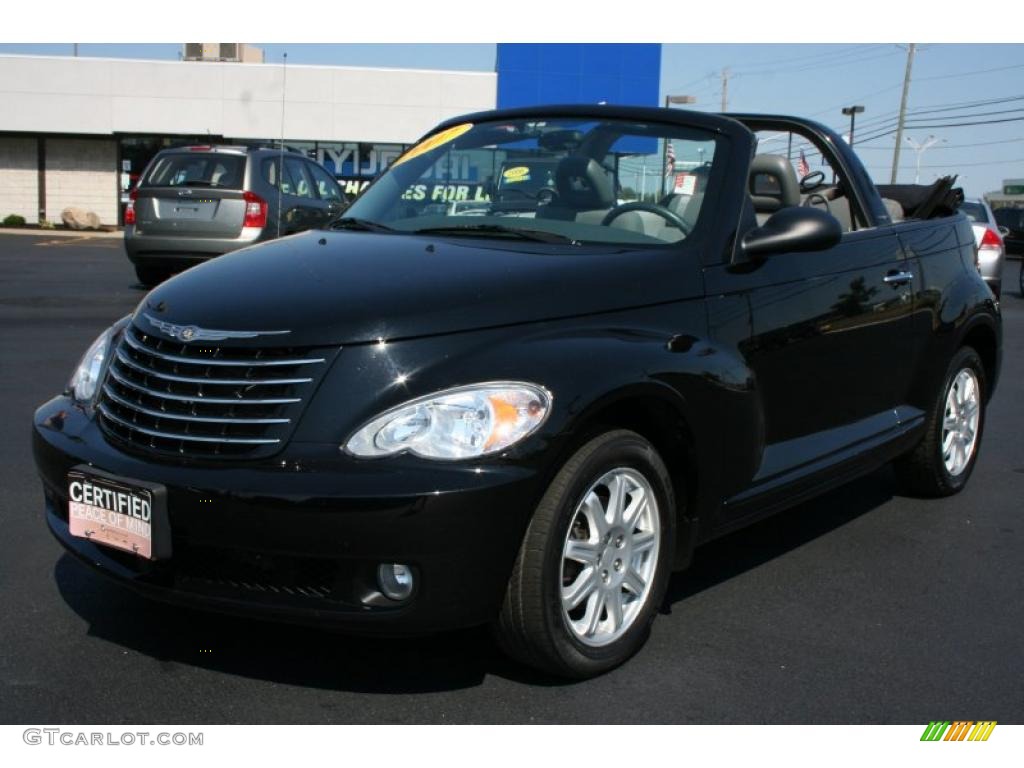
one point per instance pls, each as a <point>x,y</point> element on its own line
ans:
<point>546,196</point>
<point>814,198</point>
<point>674,219</point>
<point>812,181</point>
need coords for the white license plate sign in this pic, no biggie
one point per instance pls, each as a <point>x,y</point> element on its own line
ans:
<point>110,512</point>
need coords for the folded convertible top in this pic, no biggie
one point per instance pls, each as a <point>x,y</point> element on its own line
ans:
<point>920,201</point>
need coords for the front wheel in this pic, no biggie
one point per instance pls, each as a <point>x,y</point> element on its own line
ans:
<point>594,563</point>
<point>943,461</point>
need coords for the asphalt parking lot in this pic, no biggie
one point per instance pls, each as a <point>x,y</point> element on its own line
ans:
<point>859,607</point>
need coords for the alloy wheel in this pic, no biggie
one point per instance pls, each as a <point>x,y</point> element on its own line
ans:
<point>960,423</point>
<point>609,557</point>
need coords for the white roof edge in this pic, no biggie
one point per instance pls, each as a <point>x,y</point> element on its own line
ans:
<point>467,72</point>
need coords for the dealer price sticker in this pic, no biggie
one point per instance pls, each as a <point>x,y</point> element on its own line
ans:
<point>111,513</point>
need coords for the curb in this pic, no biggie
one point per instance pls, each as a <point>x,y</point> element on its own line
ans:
<point>88,234</point>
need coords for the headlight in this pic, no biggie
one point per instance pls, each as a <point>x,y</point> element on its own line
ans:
<point>86,379</point>
<point>460,423</point>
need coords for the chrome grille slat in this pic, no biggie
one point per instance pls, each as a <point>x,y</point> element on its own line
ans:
<point>204,379</point>
<point>141,347</point>
<point>165,396</point>
<point>202,398</point>
<point>183,436</point>
<point>111,395</point>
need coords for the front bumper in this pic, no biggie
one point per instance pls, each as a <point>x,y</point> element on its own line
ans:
<point>298,537</point>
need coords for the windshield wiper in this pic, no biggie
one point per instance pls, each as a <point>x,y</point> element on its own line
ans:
<point>539,235</point>
<point>350,222</point>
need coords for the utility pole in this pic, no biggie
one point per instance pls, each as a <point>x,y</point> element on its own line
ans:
<point>903,114</point>
<point>725,89</point>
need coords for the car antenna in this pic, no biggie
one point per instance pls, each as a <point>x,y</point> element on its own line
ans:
<point>280,160</point>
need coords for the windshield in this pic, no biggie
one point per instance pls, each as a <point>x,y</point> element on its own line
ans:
<point>554,179</point>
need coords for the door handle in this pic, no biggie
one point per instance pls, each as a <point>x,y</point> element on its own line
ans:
<point>898,278</point>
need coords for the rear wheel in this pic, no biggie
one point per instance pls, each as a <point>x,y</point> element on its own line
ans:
<point>594,563</point>
<point>151,276</point>
<point>943,461</point>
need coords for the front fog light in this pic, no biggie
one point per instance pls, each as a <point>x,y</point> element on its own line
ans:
<point>395,580</point>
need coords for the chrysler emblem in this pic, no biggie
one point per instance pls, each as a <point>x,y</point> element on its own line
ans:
<point>187,333</point>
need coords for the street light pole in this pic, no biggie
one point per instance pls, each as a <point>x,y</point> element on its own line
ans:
<point>853,111</point>
<point>669,101</point>
<point>919,149</point>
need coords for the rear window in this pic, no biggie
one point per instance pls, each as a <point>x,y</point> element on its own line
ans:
<point>975,212</point>
<point>196,169</point>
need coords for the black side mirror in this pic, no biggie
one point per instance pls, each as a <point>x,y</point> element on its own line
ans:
<point>792,230</point>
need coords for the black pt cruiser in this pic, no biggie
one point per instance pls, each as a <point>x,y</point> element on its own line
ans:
<point>449,408</point>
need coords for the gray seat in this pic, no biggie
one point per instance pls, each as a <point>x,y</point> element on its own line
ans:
<point>586,193</point>
<point>773,186</point>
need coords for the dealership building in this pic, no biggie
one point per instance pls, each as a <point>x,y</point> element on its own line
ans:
<point>77,132</point>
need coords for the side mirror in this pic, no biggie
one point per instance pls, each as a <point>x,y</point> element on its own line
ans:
<point>1004,231</point>
<point>792,230</point>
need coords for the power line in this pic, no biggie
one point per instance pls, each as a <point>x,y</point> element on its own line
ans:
<point>970,74</point>
<point>947,146</point>
<point>825,65</point>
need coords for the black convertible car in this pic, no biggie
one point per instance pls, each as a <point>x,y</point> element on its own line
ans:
<point>420,419</point>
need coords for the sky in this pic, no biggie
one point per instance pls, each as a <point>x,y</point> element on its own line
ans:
<point>805,80</point>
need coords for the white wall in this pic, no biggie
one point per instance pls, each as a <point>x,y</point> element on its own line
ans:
<point>19,178</point>
<point>81,173</point>
<point>52,94</point>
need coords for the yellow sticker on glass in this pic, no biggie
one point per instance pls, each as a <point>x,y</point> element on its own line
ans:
<point>433,142</point>
<point>519,173</point>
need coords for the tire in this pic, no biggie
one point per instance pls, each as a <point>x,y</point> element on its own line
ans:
<point>151,276</point>
<point>925,471</point>
<point>533,628</point>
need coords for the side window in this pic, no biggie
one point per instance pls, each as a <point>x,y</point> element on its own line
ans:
<point>270,171</point>
<point>790,170</point>
<point>326,186</point>
<point>297,181</point>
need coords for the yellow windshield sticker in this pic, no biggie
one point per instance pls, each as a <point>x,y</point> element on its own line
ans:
<point>433,142</point>
<point>519,173</point>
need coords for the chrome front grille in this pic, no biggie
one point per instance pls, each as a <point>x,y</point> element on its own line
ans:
<point>204,400</point>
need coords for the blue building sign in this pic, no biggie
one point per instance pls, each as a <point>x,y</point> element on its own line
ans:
<point>626,74</point>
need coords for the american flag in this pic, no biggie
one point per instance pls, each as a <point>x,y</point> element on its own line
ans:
<point>802,167</point>
<point>670,158</point>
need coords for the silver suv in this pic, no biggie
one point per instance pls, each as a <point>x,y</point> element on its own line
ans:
<point>194,203</point>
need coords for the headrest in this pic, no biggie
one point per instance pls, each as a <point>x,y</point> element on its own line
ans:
<point>773,183</point>
<point>583,184</point>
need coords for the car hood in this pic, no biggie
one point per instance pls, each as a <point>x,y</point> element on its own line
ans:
<point>328,288</point>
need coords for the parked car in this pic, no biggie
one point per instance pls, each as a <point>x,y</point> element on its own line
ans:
<point>194,203</point>
<point>417,420</point>
<point>1013,220</point>
<point>989,242</point>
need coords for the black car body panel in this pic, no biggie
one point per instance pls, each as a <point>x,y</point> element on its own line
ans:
<point>762,382</point>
